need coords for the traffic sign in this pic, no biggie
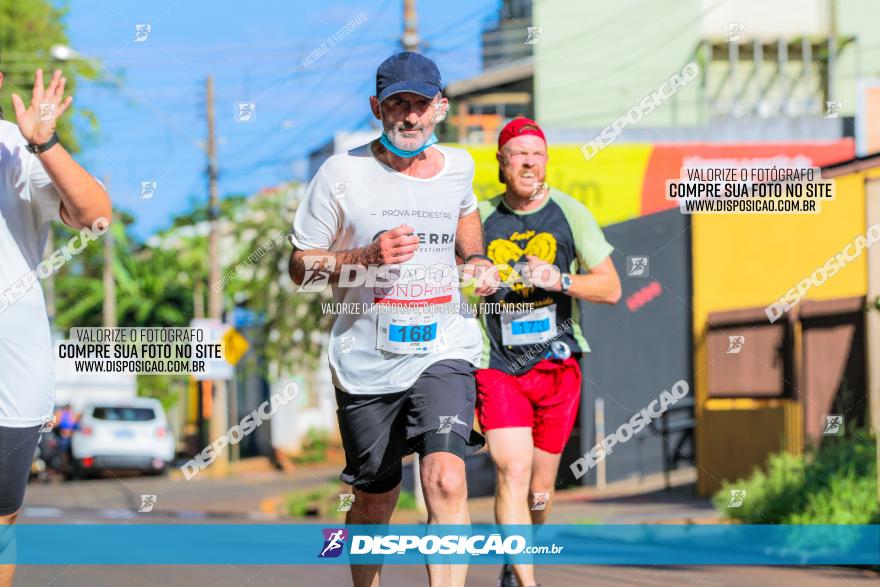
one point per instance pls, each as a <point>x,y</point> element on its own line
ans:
<point>234,346</point>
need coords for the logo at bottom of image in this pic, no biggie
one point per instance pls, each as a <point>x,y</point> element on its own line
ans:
<point>439,544</point>
<point>334,542</point>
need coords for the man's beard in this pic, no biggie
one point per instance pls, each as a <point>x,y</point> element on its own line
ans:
<point>397,138</point>
<point>514,185</point>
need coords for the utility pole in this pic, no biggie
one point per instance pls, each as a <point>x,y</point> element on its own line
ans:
<point>109,307</point>
<point>832,49</point>
<point>218,410</point>
<point>410,37</point>
<point>215,297</point>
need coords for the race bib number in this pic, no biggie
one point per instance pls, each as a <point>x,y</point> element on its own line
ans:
<point>409,335</point>
<point>529,327</point>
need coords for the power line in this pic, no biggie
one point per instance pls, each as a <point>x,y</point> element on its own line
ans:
<point>321,82</point>
<point>264,160</point>
<point>271,161</point>
<point>462,20</point>
<point>150,53</point>
<point>331,68</point>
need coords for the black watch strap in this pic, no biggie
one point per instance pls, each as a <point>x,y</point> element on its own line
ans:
<point>45,146</point>
<point>477,256</point>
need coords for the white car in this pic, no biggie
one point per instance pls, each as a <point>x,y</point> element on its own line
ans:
<point>130,434</point>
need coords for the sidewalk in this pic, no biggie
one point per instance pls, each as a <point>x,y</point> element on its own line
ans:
<point>255,487</point>
<point>635,501</point>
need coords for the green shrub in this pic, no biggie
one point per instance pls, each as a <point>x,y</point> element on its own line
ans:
<point>407,501</point>
<point>313,502</point>
<point>836,484</point>
<point>324,501</point>
<point>314,447</point>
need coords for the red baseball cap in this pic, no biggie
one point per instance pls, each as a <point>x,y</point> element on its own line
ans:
<point>519,127</point>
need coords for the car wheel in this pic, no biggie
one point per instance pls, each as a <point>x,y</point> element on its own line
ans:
<point>76,472</point>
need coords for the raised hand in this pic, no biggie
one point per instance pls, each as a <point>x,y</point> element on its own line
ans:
<point>37,121</point>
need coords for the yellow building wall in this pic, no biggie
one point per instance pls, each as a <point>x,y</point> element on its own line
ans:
<point>609,186</point>
<point>744,261</point>
<point>744,432</point>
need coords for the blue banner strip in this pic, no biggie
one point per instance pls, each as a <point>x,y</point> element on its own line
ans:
<point>297,544</point>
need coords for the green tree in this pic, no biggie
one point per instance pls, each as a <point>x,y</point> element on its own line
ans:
<point>166,283</point>
<point>254,255</point>
<point>294,327</point>
<point>28,31</point>
<point>150,289</point>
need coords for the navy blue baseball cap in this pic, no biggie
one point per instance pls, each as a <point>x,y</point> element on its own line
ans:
<point>407,72</point>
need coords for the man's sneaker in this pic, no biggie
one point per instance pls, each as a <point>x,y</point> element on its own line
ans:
<point>507,577</point>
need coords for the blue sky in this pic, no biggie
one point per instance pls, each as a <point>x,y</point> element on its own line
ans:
<point>153,128</point>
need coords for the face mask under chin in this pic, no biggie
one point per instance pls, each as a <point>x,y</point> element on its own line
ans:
<point>395,140</point>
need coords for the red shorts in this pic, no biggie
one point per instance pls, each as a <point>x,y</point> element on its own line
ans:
<point>545,399</point>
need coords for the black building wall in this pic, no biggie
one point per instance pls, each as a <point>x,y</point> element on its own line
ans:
<point>640,346</point>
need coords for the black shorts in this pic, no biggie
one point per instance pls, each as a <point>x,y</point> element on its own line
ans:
<point>435,415</point>
<point>17,448</point>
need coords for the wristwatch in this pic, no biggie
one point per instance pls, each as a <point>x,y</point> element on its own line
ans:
<point>33,148</point>
<point>566,282</point>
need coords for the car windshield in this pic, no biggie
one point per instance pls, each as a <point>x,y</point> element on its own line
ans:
<point>123,414</point>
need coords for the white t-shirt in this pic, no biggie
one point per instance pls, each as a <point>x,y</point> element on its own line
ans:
<point>353,198</point>
<point>28,205</point>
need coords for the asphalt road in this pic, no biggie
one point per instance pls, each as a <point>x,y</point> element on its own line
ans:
<point>409,576</point>
<point>236,495</point>
<point>236,501</point>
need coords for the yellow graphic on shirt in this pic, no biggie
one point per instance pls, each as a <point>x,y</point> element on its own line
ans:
<point>507,253</point>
